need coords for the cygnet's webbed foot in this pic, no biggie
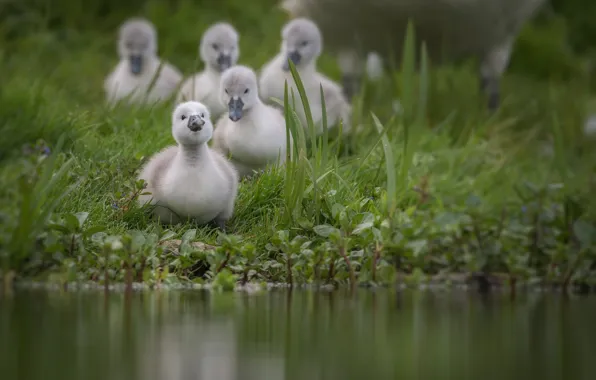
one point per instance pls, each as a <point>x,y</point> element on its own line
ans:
<point>350,84</point>
<point>491,87</point>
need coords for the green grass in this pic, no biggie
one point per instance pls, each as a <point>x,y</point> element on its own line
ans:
<point>443,187</point>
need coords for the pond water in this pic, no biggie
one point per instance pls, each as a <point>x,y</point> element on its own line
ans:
<point>295,335</point>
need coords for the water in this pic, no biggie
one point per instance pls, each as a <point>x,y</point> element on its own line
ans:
<point>299,335</point>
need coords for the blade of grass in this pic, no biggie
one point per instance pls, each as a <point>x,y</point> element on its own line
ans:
<point>390,168</point>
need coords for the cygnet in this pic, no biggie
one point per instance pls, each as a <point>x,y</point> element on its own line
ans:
<point>190,181</point>
<point>140,77</point>
<point>219,51</point>
<point>252,134</point>
<point>302,44</point>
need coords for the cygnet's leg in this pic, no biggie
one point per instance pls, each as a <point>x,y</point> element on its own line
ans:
<point>493,66</point>
<point>352,68</point>
<point>221,219</point>
<point>219,223</point>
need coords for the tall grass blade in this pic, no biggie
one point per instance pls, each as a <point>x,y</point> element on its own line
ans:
<point>325,138</point>
<point>408,73</point>
<point>423,86</point>
<point>390,168</point>
<point>38,201</point>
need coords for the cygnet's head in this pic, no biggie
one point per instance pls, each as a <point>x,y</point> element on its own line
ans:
<point>219,46</point>
<point>191,124</point>
<point>301,42</point>
<point>137,42</point>
<point>239,90</point>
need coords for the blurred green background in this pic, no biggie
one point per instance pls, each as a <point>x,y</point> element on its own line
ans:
<point>560,43</point>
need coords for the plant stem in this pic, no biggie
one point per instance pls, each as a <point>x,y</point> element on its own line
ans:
<point>376,254</point>
<point>105,270</point>
<point>571,270</point>
<point>128,274</point>
<point>342,252</point>
<point>223,263</point>
<point>289,265</point>
<point>331,273</point>
<point>72,243</point>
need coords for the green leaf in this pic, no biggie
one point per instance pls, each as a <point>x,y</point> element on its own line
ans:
<point>584,232</point>
<point>362,227</point>
<point>59,228</point>
<point>167,235</point>
<point>93,230</point>
<point>138,240</point>
<point>72,222</point>
<point>446,218</point>
<point>189,236</point>
<point>336,209</point>
<point>81,217</point>
<point>305,223</point>
<point>417,246</point>
<point>473,201</point>
<point>324,230</point>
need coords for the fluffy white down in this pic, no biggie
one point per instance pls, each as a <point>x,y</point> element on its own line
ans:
<point>190,180</point>
<point>221,39</point>
<point>203,87</point>
<point>258,138</point>
<point>374,66</point>
<point>451,28</point>
<point>273,78</point>
<point>155,80</point>
<point>121,85</point>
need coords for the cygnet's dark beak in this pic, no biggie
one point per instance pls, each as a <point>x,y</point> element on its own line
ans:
<point>136,64</point>
<point>224,62</point>
<point>293,56</point>
<point>195,123</point>
<point>235,109</point>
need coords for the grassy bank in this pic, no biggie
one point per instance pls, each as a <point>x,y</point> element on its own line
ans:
<point>441,187</point>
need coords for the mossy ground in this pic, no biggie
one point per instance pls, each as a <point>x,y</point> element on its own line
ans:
<point>473,191</point>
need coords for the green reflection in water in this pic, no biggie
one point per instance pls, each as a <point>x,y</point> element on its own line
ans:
<point>299,335</point>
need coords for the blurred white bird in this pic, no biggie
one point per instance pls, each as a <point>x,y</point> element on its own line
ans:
<point>451,29</point>
<point>140,76</point>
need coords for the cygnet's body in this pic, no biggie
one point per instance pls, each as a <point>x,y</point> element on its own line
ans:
<point>252,134</point>
<point>451,29</point>
<point>138,66</point>
<point>302,44</point>
<point>190,180</point>
<point>219,51</point>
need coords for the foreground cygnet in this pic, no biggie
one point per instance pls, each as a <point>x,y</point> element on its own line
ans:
<point>252,134</point>
<point>302,44</point>
<point>190,181</point>
<point>219,51</point>
<point>138,66</point>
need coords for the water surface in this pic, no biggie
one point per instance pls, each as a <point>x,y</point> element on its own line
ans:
<point>299,335</point>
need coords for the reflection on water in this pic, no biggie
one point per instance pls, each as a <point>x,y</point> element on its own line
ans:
<point>299,335</point>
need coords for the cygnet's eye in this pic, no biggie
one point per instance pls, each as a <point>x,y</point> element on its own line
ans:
<point>227,91</point>
<point>246,91</point>
<point>183,117</point>
<point>128,45</point>
<point>202,115</point>
<point>304,43</point>
<point>215,46</point>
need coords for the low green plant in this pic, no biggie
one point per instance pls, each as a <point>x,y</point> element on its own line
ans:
<point>437,188</point>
